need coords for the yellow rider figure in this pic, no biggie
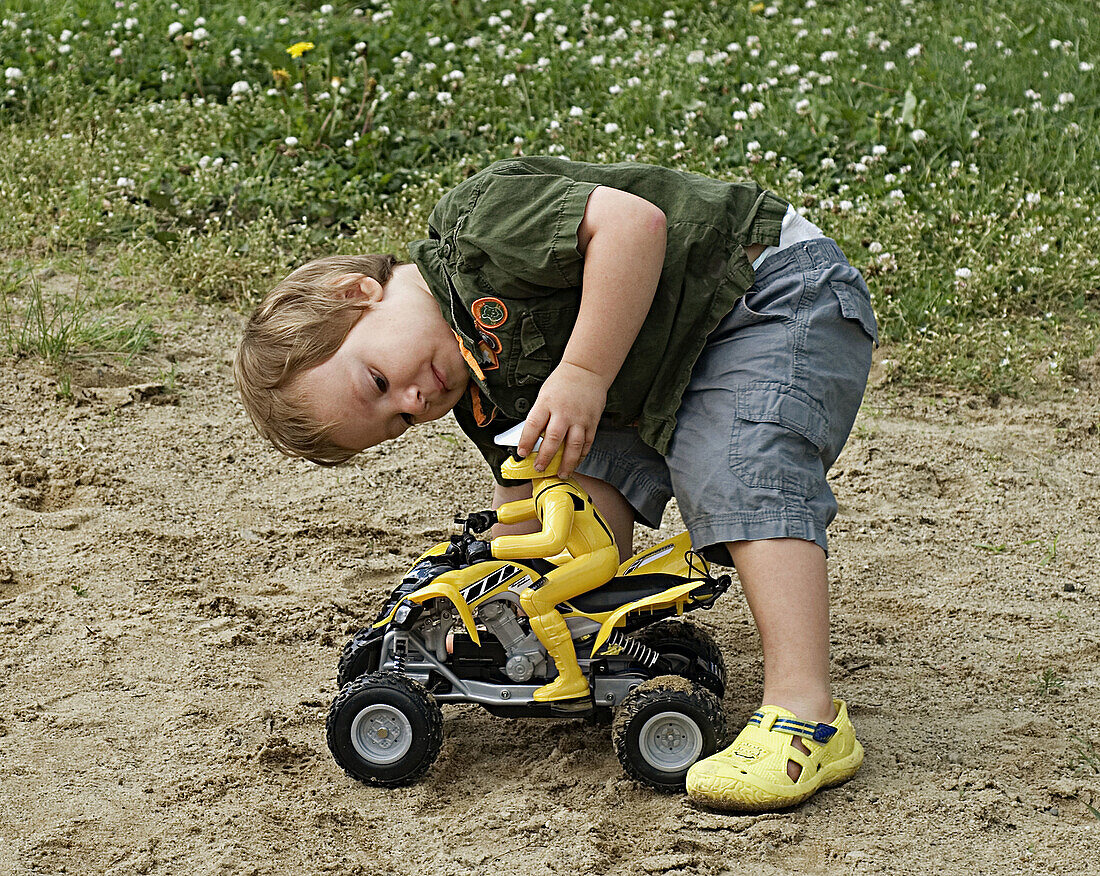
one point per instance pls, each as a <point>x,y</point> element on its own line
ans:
<point>569,521</point>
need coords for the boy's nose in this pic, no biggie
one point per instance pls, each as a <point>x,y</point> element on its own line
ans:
<point>414,401</point>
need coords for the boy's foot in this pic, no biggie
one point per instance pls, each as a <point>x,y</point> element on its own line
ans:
<point>752,774</point>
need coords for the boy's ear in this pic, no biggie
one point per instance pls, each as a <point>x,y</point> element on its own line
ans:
<point>360,286</point>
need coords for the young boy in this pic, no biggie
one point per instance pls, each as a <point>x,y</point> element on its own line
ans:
<point>678,335</point>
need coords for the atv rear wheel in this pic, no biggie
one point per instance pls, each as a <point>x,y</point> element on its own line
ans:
<point>360,655</point>
<point>688,651</point>
<point>385,729</point>
<point>664,726</point>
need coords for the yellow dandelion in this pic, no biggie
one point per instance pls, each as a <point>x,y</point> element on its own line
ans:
<point>281,77</point>
<point>755,9</point>
<point>299,49</point>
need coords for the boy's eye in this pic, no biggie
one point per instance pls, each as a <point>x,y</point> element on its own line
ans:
<point>380,382</point>
<point>408,419</point>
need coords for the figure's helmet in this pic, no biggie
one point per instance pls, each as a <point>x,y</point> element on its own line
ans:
<point>524,469</point>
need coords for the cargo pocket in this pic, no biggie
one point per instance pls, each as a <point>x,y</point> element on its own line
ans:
<point>855,304</point>
<point>533,362</point>
<point>779,433</point>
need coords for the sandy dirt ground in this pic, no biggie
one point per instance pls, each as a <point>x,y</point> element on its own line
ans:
<point>174,596</point>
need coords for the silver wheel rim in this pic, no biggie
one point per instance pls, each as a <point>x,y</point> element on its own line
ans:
<point>381,734</point>
<point>670,741</point>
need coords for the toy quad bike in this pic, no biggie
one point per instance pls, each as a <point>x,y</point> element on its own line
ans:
<point>453,632</point>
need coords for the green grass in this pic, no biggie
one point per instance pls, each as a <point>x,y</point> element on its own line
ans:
<point>953,151</point>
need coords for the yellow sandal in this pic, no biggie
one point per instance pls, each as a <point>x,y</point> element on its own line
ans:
<point>751,775</point>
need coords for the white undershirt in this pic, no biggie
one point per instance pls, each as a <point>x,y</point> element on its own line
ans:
<point>796,228</point>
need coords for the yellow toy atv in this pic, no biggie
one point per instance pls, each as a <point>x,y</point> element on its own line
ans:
<point>453,632</point>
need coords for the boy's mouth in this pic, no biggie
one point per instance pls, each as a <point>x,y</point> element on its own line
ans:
<point>439,379</point>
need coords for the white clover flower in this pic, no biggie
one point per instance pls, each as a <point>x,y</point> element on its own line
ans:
<point>66,35</point>
<point>696,57</point>
<point>434,41</point>
<point>445,98</point>
<point>802,107</point>
<point>1033,198</point>
<point>1066,97</point>
<point>878,149</point>
<point>969,46</point>
<point>611,128</point>
<point>124,182</point>
<point>963,273</point>
<point>615,89</point>
<point>130,23</point>
<point>291,142</point>
<point>1085,66</point>
<point>721,141</point>
<point>828,57</point>
<point>914,51</point>
<point>874,247</point>
<point>174,28</point>
<point>575,112</point>
<point>240,87</point>
<point>327,9</point>
<point>13,74</point>
<point>64,49</point>
<point>979,88</point>
<point>918,135</point>
<point>200,33</point>
<point>845,206</point>
<point>241,20</point>
<point>827,163</point>
<point>116,52</point>
<point>752,146</point>
<point>756,108</point>
<point>740,115</point>
<point>200,21</point>
<point>508,80</point>
<point>896,195</point>
<point>889,66</point>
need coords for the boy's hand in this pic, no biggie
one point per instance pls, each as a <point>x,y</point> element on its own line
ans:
<point>567,411</point>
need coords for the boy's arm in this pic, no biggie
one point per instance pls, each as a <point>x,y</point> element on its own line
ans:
<point>622,239</point>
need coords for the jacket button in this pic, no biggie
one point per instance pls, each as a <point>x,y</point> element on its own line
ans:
<point>522,405</point>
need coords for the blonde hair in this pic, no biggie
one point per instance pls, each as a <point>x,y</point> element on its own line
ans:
<point>299,324</point>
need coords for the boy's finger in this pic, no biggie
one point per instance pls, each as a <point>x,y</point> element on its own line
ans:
<point>575,448</point>
<point>550,444</point>
<point>532,428</point>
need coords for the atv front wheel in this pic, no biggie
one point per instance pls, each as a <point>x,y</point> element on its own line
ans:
<point>664,726</point>
<point>385,729</point>
<point>360,655</point>
<point>688,651</point>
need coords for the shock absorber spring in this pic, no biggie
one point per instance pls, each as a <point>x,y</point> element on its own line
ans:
<point>634,649</point>
<point>400,652</point>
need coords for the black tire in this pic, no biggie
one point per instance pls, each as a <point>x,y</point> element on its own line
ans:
<point>664,726</point>
<point>360,656</point>
<point>689,651</point>
<point>385,729</point>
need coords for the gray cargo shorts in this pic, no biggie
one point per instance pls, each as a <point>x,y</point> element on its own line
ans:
<point>770,404</point>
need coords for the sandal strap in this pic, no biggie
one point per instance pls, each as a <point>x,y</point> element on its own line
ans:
<point>793,727</point>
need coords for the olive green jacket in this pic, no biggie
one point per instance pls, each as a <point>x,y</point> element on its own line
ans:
<point>502,262</point>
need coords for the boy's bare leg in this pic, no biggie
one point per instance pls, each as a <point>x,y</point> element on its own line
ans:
<point>787,588</point>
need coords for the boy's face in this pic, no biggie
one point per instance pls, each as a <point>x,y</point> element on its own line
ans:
<point>399,365</point>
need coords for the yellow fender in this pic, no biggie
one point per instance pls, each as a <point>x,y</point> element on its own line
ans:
<point>665,597</point>
<point>447,591</point>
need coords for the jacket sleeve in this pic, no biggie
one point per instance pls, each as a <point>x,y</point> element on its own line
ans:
<point>525,224</point>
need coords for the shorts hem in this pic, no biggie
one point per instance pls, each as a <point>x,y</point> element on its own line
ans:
<point>755,527</point>
<point>646,498</point>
